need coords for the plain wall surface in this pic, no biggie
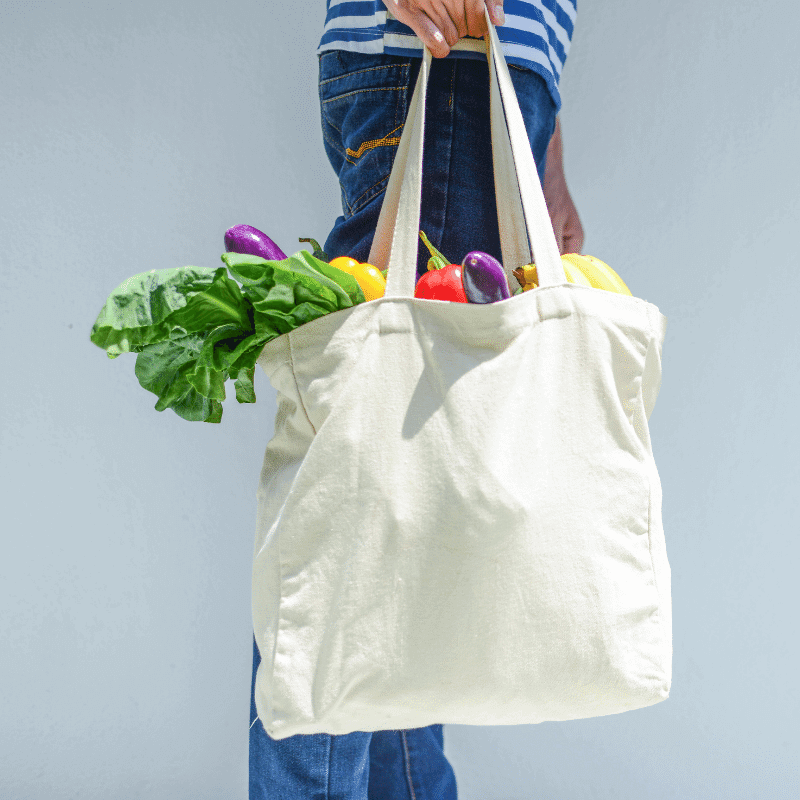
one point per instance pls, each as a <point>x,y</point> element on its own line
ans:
<point>132,136</point>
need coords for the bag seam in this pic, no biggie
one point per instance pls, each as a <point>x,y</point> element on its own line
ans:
<point>281,561</point>
<point>651,465</point>
<point>269,725</point>
<point>278,624</point>
<point>296,385</point>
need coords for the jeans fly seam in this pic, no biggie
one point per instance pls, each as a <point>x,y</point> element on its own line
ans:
<point>452,87</point>
<point>403,92</point>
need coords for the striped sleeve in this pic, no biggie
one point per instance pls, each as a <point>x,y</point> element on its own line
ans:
<point>536,34</point>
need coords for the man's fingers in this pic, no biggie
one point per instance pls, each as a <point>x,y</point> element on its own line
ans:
<point>466,16</point>
<point>476,18</point>
<point>439,14</point>
<point>430,34</point>
<point>414,14</point>
<point>454,9</point>
<point>440,24</point>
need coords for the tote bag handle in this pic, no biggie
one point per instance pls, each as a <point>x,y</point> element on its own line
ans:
<point>523,219</point>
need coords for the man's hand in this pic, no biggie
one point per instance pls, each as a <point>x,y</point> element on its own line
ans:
<point>441,23</point>
<point>563,214</point>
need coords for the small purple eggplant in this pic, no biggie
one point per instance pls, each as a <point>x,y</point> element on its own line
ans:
<point>251,241</point>
<point>484,278</point>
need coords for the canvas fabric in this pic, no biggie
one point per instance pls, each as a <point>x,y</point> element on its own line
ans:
<point>459,513</point>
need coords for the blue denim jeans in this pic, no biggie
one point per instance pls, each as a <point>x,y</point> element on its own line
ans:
<point>364,101</point>
<point>380,765</point>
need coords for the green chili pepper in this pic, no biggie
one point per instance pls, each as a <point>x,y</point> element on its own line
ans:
<point>437,260</point>
<point>318,251</point>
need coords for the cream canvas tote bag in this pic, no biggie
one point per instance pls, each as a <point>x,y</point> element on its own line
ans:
<point>459,513</point>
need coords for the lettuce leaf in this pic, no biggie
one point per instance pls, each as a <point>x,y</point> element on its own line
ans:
<point>326,285</point>
<point>148,307</point>
<point>194,328</point>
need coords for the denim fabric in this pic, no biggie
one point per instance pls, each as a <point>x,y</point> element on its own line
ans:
<point>384,765</point>
<point>364,101</point>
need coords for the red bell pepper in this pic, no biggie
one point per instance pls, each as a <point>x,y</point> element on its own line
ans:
<point>443,280</point>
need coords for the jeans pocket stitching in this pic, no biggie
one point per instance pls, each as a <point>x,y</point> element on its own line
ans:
<point>360,72</point>
<point>388,140</point>
<point>328,119</point>
<point>361,91</point>
<point>333,144</point>
<point>371,144</point>
<point>357,204</point>
<point>323,103</point>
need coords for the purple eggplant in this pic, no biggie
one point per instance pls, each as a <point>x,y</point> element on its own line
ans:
<point>484,278</point>
<point>251,241</point>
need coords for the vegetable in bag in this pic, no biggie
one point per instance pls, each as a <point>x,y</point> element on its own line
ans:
<point>194,328</point>
<point>484,278</point>
<point>251,241</point>
<point>442,281</point>
<point>579,269</point>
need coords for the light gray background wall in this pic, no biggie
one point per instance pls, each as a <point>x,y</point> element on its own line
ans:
<point>132,135</point>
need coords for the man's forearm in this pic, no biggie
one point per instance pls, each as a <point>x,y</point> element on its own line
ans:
<point>563,214</point>
<point>554,149</point>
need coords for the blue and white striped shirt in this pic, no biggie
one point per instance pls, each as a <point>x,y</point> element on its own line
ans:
<point>536,34</point>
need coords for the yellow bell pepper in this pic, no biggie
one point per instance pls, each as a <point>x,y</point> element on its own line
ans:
<point>369,278</point>
<point>600,275</point>
<point>581,270</point>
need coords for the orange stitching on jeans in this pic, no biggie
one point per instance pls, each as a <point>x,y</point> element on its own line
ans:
<point>372,143</point>
<point>452,87</point>
<point>408,766</point>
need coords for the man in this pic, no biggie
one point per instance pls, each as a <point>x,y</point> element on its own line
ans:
<point>370,55</point>
<point>535,42</point>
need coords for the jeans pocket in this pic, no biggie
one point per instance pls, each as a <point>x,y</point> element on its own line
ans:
<point>364,103</point>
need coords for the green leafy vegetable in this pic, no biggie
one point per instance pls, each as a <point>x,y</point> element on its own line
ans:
<point>148,307</point>
<point>194,328</point>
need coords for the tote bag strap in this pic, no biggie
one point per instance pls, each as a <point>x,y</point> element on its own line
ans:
<point>523,218</point>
